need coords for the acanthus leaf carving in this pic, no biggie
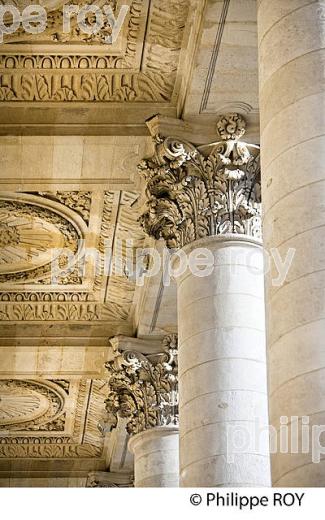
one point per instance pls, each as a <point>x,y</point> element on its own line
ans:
<point>53,450</point>
<point>194,192</point>
<point>143,388</point>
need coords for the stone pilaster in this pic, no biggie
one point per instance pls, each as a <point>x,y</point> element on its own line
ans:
<point>144,391</point>
<point>209,198</point>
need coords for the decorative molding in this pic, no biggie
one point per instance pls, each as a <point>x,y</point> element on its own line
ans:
<point>214,56</point>
<point>102,56</point>
<point>121,232</point>
<point>66,311</point>
<point>113,88</point>
<point>49,451</point>
<point>105,479</point>
<point>105,236</point>
<point>51,311</point>
<point>128,241</point>
<point>34,437</point>
<point>143,388</point>
<point>127,76</point>
<point>78,201</point>
<point>194,192</point>
<point>6,296</point>
<point>33,233</point>
<point>95,413</point>
<point>34,440</point>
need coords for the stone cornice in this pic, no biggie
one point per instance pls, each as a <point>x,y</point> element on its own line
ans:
<point>195,192</point>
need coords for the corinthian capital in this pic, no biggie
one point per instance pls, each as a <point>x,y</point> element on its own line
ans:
<point>143,387</point>
<point>195,192</point>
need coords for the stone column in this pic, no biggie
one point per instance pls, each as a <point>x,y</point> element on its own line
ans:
<point>156,457</point>
<point>144,390</point>
<point>206,203</point>
<point>292,107</point>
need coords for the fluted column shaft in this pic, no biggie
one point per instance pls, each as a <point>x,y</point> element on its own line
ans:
<point>222,369</point>
<point>292,107</point>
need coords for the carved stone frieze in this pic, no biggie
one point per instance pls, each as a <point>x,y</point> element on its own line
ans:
<point>51,311</point>
<point>120,237</point>
<point>118,73</point>
<point>143,388</point>
<point>65,311</point>
<point>39,439</point>
<point>6,296</point>
<point>55,450</point>
<point>194,192</point>
<point>114,88</point>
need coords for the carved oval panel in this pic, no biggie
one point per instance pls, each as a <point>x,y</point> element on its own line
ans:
<point>36,235</point>
<point>16,406</point>
<point>27,404</point>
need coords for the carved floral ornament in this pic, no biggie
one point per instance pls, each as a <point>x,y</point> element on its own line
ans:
<point>194,193</point>
<point>143,388</point>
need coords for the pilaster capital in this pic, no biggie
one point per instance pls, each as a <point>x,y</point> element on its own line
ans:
<point>143,387</point>
<point>105,479</point>
<point>194,192</point>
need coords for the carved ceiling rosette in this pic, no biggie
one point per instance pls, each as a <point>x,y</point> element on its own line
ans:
<point>194,193</point>
<point>143,388</point>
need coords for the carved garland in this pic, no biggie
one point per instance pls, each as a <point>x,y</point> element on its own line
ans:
<point>143,388</point>
<point>198,192</point>
<point>78,201</point>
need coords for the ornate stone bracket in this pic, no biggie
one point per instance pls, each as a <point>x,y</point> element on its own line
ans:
<point>143,388</point>
<point>194,192</point>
